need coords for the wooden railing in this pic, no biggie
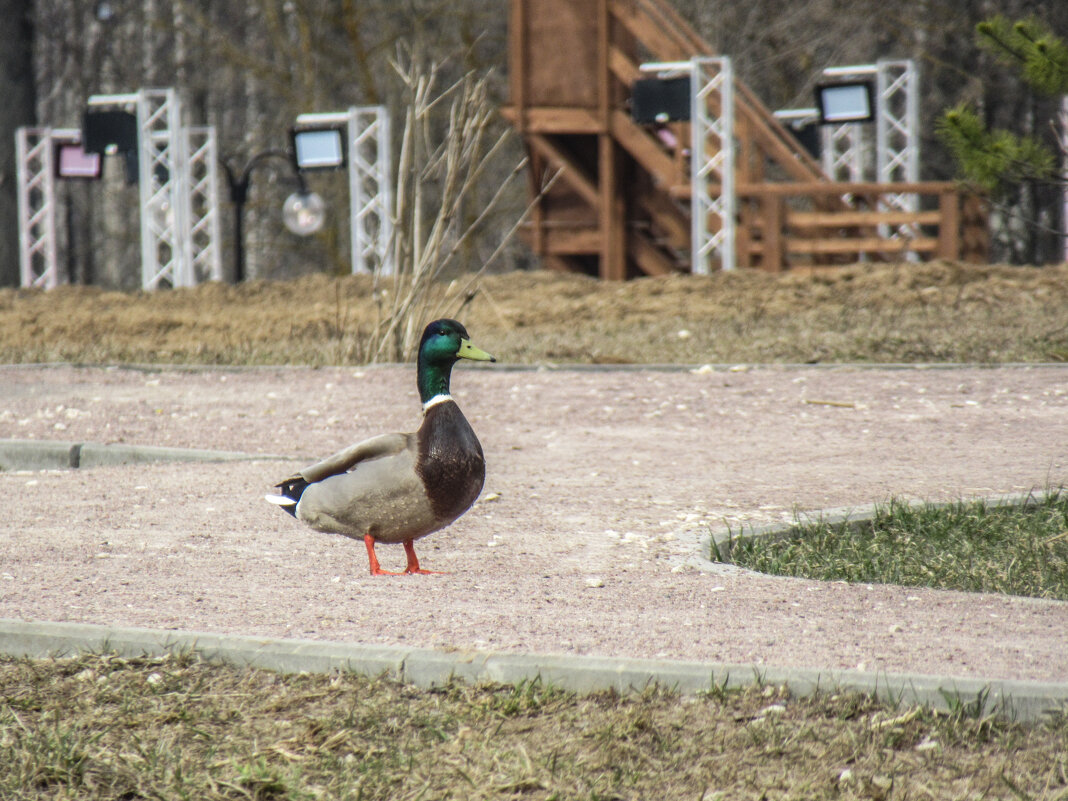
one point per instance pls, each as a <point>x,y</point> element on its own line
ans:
<point>793,224</point>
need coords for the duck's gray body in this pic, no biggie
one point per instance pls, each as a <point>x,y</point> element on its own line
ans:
<point>397,487</point>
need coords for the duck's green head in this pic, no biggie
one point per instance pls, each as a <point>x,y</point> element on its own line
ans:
<point>444,342</point>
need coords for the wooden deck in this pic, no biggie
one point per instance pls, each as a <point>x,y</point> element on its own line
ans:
<point>620,202</point>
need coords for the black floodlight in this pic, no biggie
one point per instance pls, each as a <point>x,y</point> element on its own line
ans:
<point>808,135</point>
<point>71,161</point>
<point>109,131</point>
<point>845,102</point>
<point>660,100</point>
<point>318,148</point>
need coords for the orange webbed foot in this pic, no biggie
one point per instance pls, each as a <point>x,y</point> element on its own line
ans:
<point>413,561</point>
<point>376,569</point>
<point>380,572</point>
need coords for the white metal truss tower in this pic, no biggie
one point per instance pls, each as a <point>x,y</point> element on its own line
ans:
<point>367,137</point>
<point>897,135</point>
<point>163,256</point>
<point>847,152</point>
<point>712,208</point>
<point>177,189</point>
<point>35,154</point>
<point>202,198</point>
<point>844,152</point>
<point>371,190</point>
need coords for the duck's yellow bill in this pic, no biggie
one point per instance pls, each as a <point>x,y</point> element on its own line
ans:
<point>469,351</point>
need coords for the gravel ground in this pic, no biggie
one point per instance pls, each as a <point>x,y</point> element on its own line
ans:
<point>599,484</point>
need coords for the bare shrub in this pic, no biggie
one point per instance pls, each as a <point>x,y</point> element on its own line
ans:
<point>448,144</point>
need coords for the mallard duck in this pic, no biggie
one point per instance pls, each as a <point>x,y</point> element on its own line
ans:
<point>400,487</point>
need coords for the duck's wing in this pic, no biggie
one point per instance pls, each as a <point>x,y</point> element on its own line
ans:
<point>343,461</point>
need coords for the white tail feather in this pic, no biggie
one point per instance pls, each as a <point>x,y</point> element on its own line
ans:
<point>281,500</point>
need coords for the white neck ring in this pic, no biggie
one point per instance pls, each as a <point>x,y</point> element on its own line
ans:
<point>436,400</point>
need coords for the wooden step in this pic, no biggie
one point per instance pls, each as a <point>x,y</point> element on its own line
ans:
<point>646,149</point>
<point>651,259</point>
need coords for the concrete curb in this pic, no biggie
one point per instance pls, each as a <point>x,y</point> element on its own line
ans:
<point>33,454</point>
<point>424,667</point>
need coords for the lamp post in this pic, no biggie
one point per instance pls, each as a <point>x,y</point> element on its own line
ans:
<point>303,212</point>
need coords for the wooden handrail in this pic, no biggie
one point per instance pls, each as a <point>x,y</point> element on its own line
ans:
<point>828,189</point>
<point>872,244</point>
<point>645,151</point>
<point>850,219</point>
<point>686,37</point>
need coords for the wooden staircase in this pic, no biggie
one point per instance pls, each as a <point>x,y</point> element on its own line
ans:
<point>613,196</point>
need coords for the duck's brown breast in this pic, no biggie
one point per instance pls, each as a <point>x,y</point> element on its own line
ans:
<point>450,461</point>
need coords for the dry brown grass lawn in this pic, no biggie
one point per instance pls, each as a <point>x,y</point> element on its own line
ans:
<point>938,312</point>
<point>102,727</point>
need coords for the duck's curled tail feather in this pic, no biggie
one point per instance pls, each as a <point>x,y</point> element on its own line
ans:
<point>292,489</point>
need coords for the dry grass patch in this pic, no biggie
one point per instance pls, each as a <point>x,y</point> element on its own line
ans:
<point>100,726</point>
<point>938,312</point>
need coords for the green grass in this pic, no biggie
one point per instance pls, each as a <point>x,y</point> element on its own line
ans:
<point>104,727</point>
<point>971,546</point>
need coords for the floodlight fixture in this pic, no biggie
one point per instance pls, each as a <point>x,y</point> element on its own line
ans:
<point>804,125</point>
<point>109,130</point>
<point>72,161</point>
<point>664,96</point>
<point>661,100</point>
<point>852,101</point>
<point>320,148</point>
<point>667,69</point>
<point>796,117</point>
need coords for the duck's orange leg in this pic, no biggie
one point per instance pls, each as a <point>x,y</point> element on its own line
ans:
<point>413,561</point>
<point>376,569</point>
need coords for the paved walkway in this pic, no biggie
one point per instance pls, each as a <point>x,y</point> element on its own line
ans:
<point>600,485</point>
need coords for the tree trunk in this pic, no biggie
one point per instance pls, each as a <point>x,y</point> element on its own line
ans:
<point>17,89</point>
